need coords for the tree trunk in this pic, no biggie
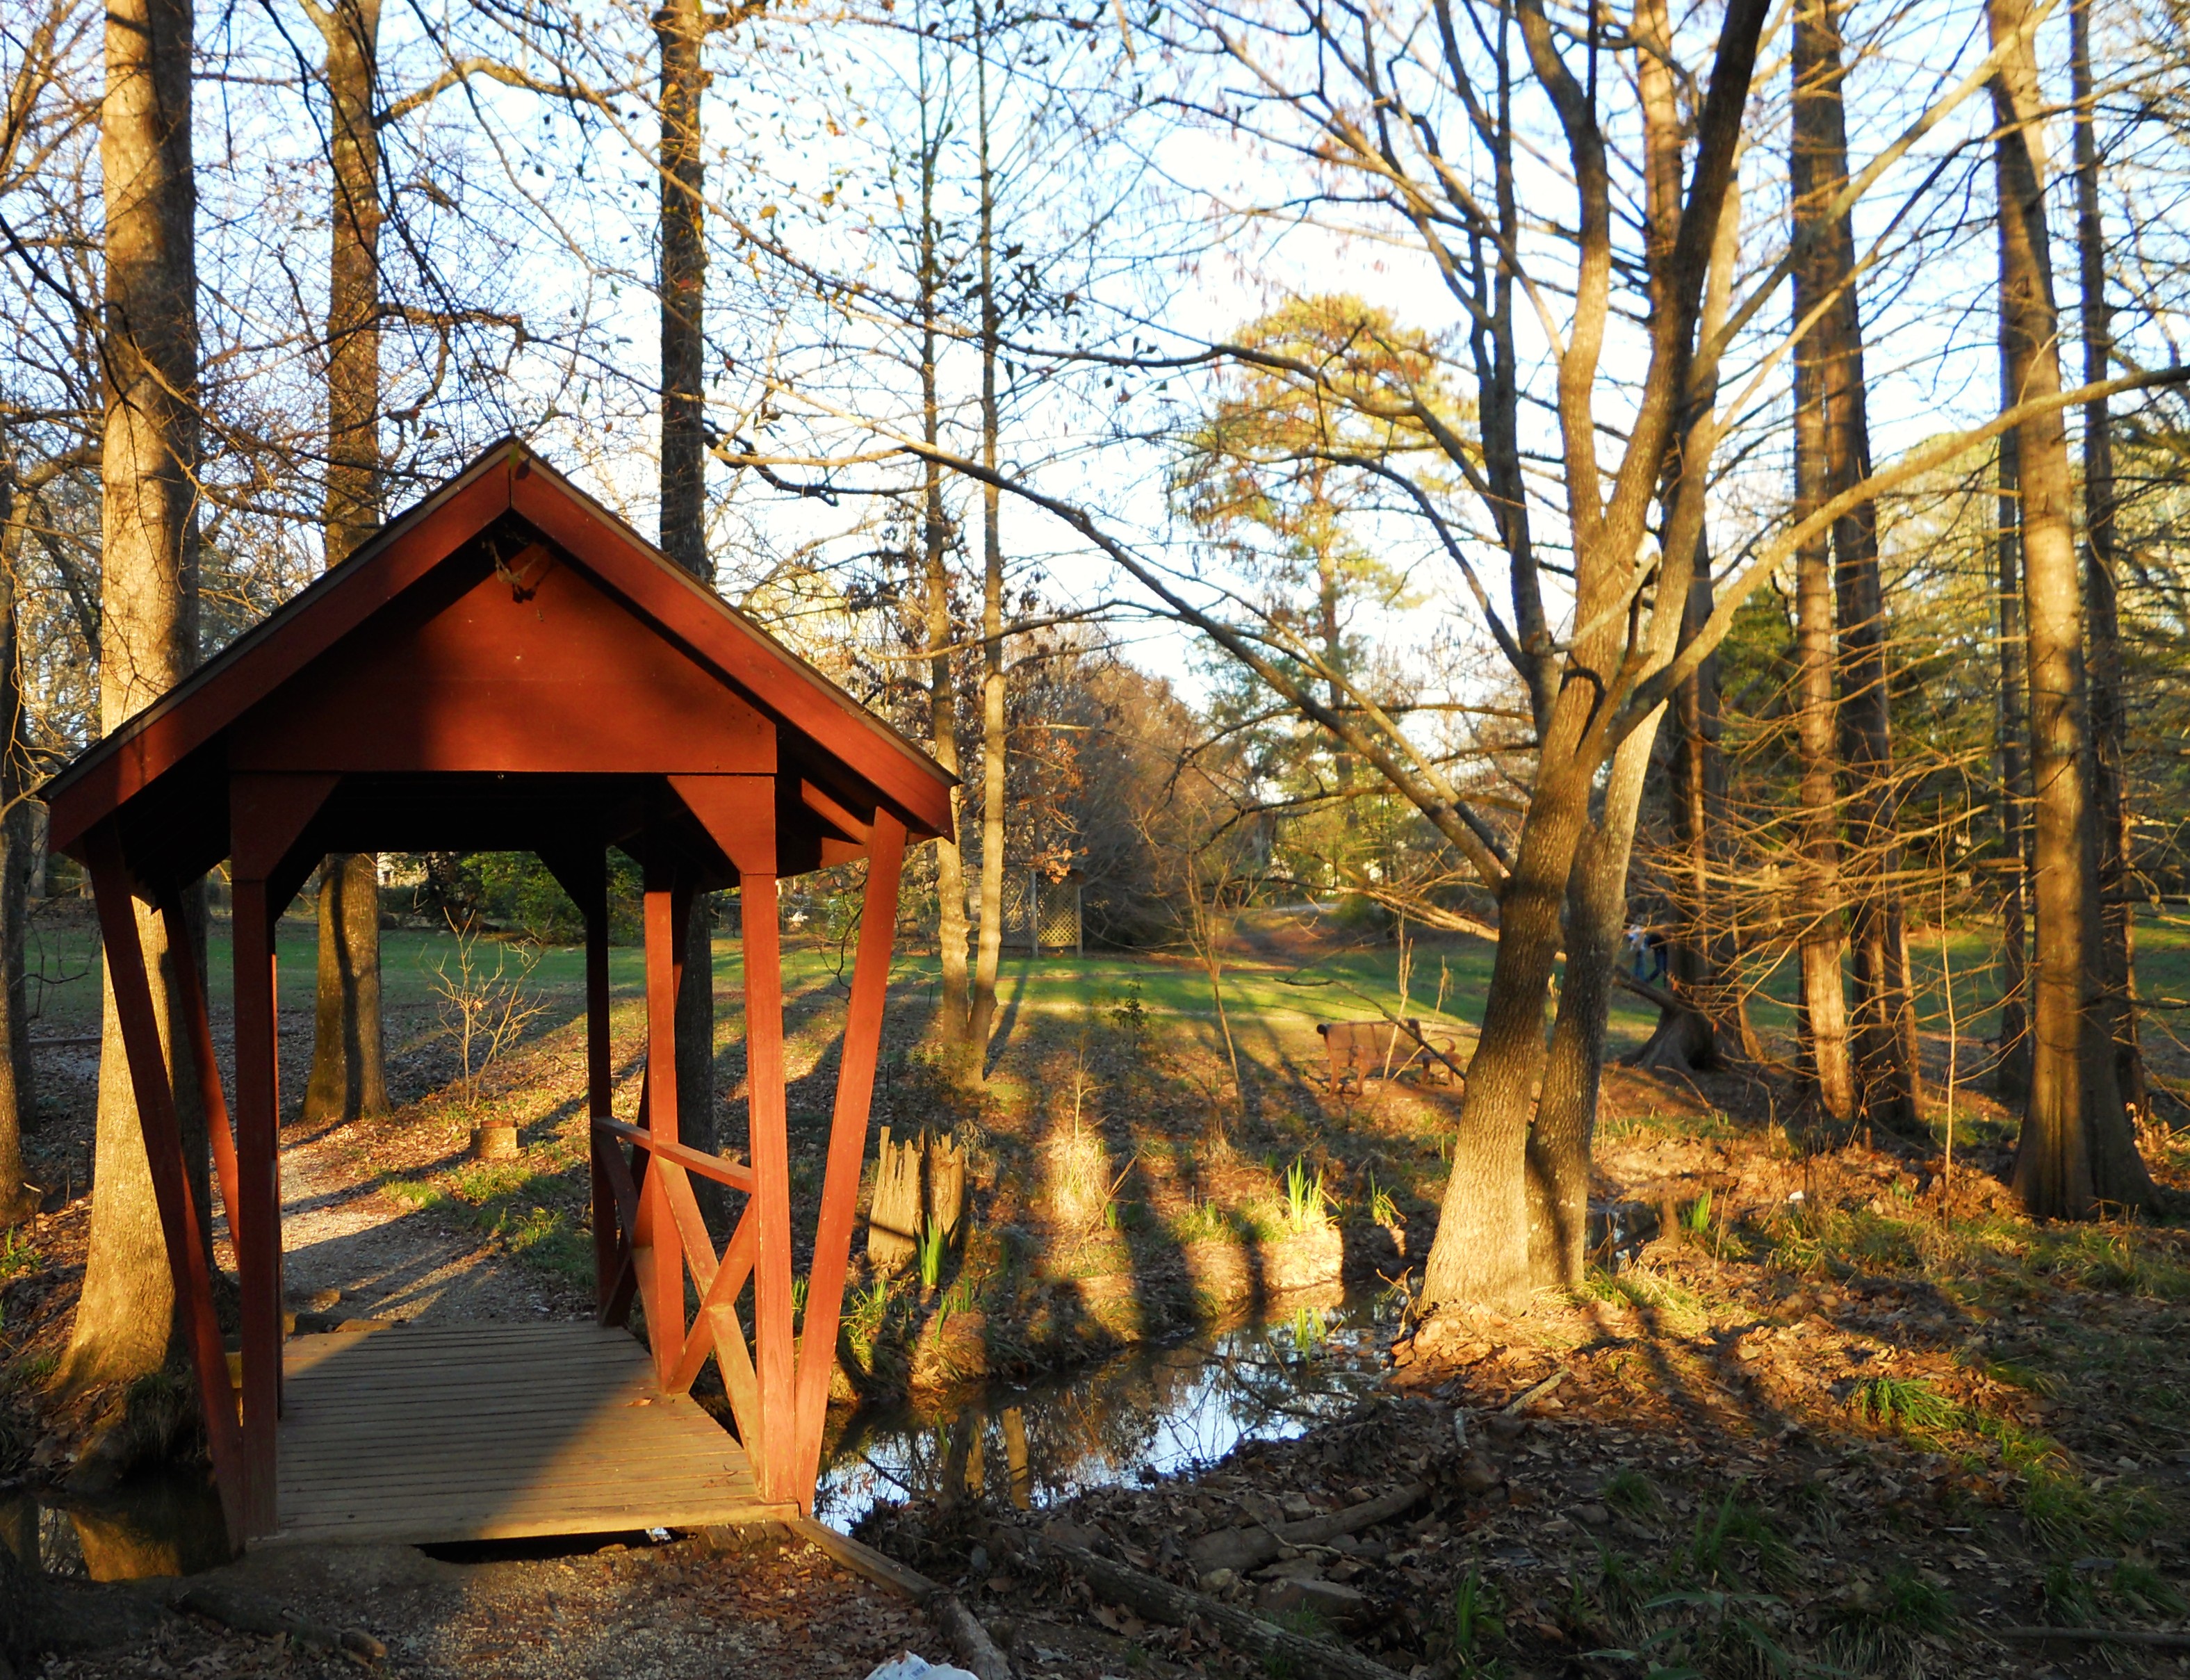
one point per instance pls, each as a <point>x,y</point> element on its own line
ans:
<point>1884,1070</point>
<point>2012,1062</point>
<point>349,1062</point>
<point>1823,1012</point>
<point>680,30</point>
<point>350,1076</point>
<point>942,688</point>
<point>1559,1142</point>
<point>2076,1151</point>
<point>2117,896</point>
<point>992,608</point>
<point>17,1100</point>
<point>148,618</point>
<point>1481,1255</point>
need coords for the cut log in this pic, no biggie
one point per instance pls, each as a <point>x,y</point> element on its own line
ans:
<point>1240,1550</point>
<point>1157,1600</point>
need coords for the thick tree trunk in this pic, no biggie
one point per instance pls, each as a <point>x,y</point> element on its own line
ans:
<point>1559,1142</point>
<point>680,30</point>
<point>349,1064</point>
<point>2118,935</point>
<point>2012,1064</point>
<point>991,950</point>
<point>1884,1062</point>
<point>942,687</point>
<point>2076,1152</point>
<point>148,638</point>
<point>1481,1255</point>
<point>18,1100</point>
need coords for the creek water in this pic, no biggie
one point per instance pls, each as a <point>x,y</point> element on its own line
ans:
<point>1145,1413</point>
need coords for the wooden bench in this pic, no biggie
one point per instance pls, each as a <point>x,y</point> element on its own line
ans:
<point>1378,1049</point>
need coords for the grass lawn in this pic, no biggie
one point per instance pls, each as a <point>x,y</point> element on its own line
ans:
<point>1958,982</point>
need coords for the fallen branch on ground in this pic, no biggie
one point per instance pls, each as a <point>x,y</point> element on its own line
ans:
<point>1243,1549</point>
<point>2098,1636</point>
<point>970,1643</point>
<point>1158,1600</point>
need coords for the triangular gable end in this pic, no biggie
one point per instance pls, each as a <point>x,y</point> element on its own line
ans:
<point>523,664</point>
<point>633,688</point>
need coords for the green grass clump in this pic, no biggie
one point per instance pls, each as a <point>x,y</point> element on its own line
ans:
<point>1908,1403</point>
<point>1738,1543</point>
<point>934,1249</point>
<point>1875,1631</point>
<point>1204,1221</point>
<point>1631,1493</point>
<point>1307,1200</point>
<point>2065,1512</point>
<point>17,1256</point>
<point>1478,1619</point>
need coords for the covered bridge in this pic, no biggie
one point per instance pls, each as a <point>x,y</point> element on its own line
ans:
<point>509,667</point>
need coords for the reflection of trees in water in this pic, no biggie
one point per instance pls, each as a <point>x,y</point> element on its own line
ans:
<point>1162,1409</point>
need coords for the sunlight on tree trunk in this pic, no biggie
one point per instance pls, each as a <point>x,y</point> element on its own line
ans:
<point>349,1064</point>
<point>993,732</point>
<point>2101,573</point>
<point>2076,1150</point>
<point>148,620</point>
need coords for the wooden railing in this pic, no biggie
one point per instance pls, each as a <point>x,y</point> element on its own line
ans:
<point>658,1217</point>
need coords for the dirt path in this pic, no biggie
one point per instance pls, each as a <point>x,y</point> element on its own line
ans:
<point>390,1260</point>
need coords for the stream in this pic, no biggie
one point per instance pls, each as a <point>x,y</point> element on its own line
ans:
<point>1148,1412</point>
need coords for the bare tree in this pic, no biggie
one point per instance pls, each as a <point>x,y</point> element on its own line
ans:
<point>995,731</point>
<point>1830,401</point>
<point>349,1065</point>
<point>2102,588</point>
<point>2076,1151</point>
<point>147,615</point>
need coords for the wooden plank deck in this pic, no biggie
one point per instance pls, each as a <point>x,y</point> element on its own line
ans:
<point>421,1434</point>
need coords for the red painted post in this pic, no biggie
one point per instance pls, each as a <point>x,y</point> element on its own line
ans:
<point>848,1148</point>
<point>257,1233</point>
<point>181,938</point>
<point>187,1262</point>
<point>665,1289</point>
<point>767,1138</point>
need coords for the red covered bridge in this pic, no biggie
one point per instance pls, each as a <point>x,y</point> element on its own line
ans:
<point>508,667</point>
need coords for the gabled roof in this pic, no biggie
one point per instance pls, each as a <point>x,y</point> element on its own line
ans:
<point>507,488</point>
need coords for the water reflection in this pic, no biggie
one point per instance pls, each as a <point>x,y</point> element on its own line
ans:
<point>1147,1413</point>
<point>168,1523</point>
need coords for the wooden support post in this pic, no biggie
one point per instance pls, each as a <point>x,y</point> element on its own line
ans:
<point>769,1139</point>
<point>257,1233</point>
<point>187,1261</point>
<point>584,875</point>
<point>182,938</point>
<point>662,1279</point>
<point>268,815</point>
<point>848,1146</point>
<point>191,995</point>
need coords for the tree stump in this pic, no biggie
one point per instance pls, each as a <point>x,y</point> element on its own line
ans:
<point>946,1185</point>
<point>497,1140</point>
<point>893,1212</point>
